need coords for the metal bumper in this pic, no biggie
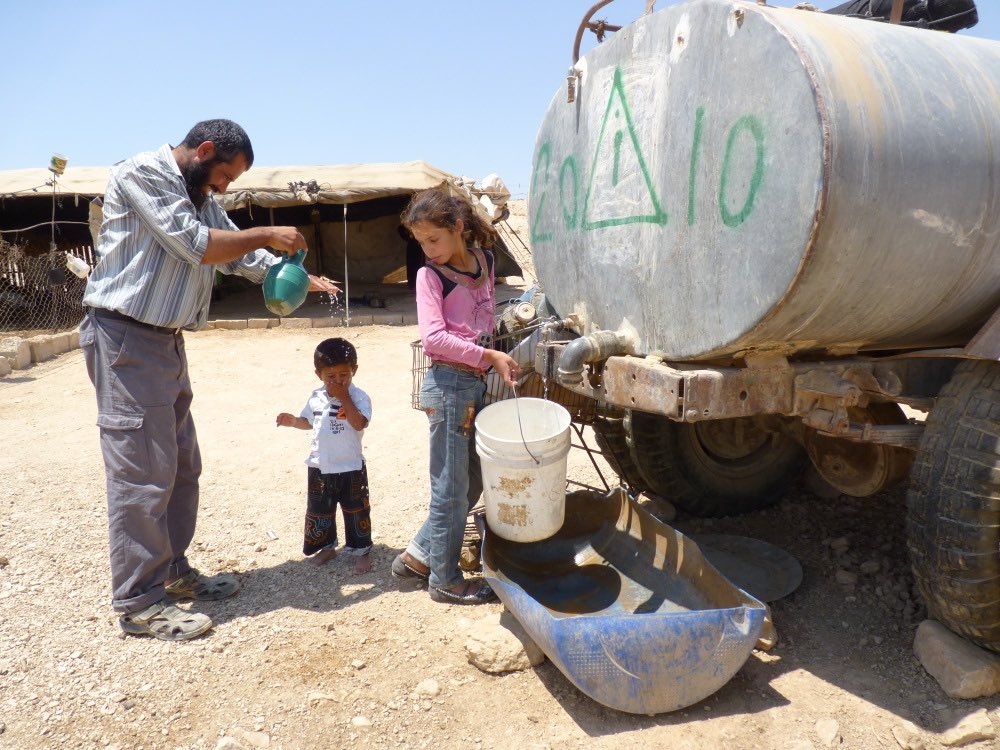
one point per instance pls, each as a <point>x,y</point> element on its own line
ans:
<point>818,393</point>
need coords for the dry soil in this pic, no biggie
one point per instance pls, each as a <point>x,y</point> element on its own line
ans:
<point>319,658</point>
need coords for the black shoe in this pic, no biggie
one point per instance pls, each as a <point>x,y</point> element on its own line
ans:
<point>474,592</point>
<point>401,569</point>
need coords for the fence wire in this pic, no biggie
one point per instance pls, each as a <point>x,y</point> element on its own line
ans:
<point>37,292</point>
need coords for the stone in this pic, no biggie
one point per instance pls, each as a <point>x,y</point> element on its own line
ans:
<point>428,688</point>
<point>17,350</point>
<point>6,367</point>
<point>409,319</point>
<point>74,339</point>
<point>361,319</point>
<point>256,323</point>
<point>498,643</point>
<point>316,696</point>
<point>828,732</point>
<point>231,325</point>
<point>387,318</point>
<point>296,323</point>
<point>973,728</point>
<point>846,577</point>
<point>361,721</point>
<point>840,544</point>
<point>328,322</point>
<point>60,343</point>
<point>252,739</point>
<point>962,669</point>
<point>42,348</point>
<point>908,737</point>
<point>229,743</point>
<point>870,567</point>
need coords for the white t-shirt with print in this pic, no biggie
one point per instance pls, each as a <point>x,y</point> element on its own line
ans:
<point>335,446</point>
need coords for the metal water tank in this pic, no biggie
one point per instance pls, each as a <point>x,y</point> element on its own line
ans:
<point>734,177</point>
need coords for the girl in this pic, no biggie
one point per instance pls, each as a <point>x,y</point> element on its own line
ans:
<point>455,313</point>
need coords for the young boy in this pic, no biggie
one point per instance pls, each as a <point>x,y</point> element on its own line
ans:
<point>337,413</point>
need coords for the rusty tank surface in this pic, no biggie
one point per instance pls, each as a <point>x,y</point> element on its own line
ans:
<point>770,239</point>
<point>733,177</point>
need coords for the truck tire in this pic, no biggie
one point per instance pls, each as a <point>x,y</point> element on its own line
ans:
<point>953,513</point>
<point>712,469</point>
<point>609,433</point>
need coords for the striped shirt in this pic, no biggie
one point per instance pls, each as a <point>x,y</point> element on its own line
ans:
<point>151,244</point>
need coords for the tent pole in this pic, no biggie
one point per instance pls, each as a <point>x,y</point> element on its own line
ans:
<point>347,280</point>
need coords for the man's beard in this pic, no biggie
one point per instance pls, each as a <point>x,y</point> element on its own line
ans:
<point>195,178</point>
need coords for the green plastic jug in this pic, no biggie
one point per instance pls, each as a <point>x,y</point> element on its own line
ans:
<point>286,284</point>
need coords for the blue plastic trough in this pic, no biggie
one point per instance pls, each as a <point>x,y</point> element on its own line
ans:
<point>625,606</point>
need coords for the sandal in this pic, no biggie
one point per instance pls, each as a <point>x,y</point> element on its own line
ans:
<point>194,585</point>
<point>403,569</point>
<point>165,622</point>
<point>473,592</point>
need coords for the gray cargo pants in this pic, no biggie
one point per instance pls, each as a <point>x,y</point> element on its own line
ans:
<point>151,454</point>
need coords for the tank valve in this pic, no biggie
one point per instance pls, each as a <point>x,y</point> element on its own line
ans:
<point>571,86</point>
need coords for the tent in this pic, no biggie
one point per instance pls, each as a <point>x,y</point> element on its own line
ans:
<point>348,213</point>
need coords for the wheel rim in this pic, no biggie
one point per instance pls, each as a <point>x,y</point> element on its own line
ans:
<point>730,440</point>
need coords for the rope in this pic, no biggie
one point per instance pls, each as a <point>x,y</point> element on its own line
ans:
<point>43,224</point>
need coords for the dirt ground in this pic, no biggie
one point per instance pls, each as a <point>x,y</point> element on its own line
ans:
<point>308,658</point>
<point>318,658</point>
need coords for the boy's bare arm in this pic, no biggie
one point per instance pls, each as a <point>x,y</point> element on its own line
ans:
<point>290,420</point>
<point>350,412</point>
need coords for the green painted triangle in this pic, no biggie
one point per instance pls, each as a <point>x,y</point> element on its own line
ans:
<point>620,189</point>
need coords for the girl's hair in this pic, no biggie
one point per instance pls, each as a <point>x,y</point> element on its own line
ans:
<point>437,207</point>
<point>335,352</point>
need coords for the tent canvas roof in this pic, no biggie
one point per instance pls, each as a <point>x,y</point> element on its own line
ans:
<point>261,186</point>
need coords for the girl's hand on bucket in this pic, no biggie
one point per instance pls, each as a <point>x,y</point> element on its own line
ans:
<point>504,364</point>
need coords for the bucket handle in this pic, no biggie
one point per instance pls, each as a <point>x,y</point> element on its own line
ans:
<point>517,408</point>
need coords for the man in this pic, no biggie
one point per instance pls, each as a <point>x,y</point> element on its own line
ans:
<point>161,242</point>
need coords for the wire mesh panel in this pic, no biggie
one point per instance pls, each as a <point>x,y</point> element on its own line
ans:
<point>530,383</point>
<point>38,292</point>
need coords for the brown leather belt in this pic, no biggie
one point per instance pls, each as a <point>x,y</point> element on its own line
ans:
<point>460,367</point>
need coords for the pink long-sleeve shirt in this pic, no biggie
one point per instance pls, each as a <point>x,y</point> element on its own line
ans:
<point>450,326</point>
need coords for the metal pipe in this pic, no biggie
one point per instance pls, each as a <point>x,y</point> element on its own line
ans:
<point>584,24</point>
<point>593,348</point>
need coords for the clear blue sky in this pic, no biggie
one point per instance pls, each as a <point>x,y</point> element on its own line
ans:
<point>462,84</point>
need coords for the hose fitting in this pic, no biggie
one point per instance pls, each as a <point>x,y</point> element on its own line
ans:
<point>597,346</point>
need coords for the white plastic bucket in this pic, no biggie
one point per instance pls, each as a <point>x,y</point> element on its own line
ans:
<point>524,479</point>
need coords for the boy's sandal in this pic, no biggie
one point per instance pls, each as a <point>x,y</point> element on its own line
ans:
<point>194,585</point>
<point>402,569</point>
<point>165,622</point>
<point>473,592</point>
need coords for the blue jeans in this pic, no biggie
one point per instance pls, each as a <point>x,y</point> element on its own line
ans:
<point>451,399</point>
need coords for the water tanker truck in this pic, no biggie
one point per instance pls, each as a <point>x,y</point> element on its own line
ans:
<point>773,234</point>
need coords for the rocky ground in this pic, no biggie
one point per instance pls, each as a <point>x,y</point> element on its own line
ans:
<point>308,658</point>
<point>319,658</point>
